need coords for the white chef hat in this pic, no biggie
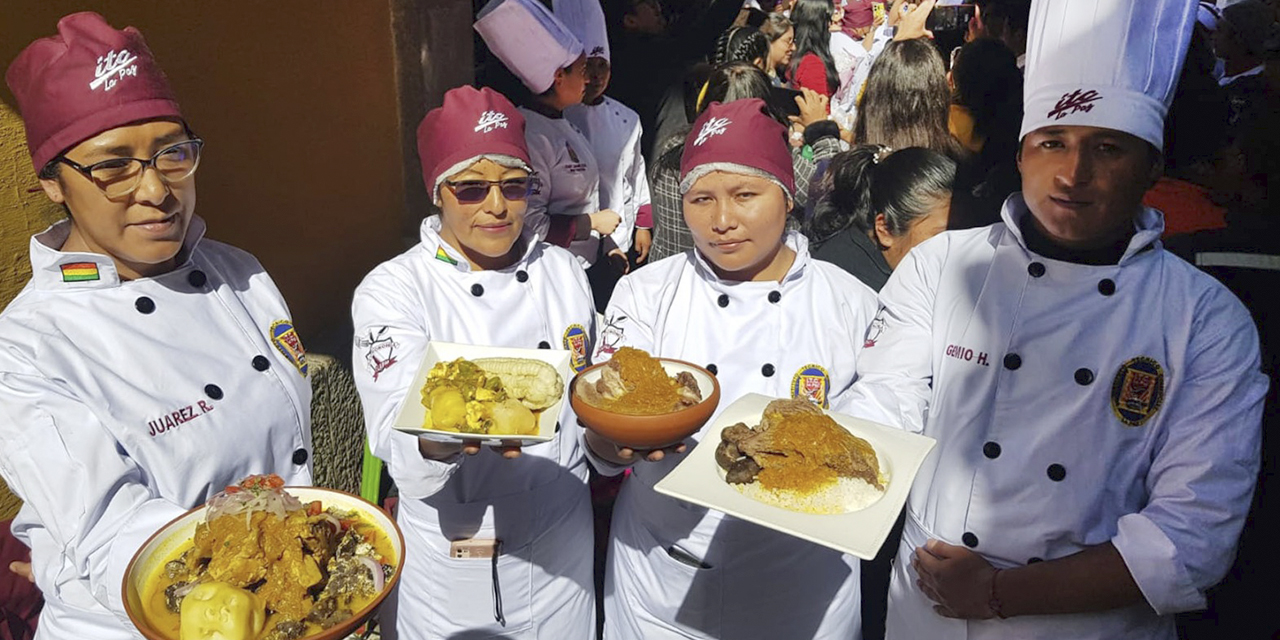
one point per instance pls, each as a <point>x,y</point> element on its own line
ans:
<point>530,41</point>
<point>1105,63</point>
<point>585,19</point>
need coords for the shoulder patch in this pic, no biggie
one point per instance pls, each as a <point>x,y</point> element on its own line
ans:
<point>288,343</point>
<point>1137,391</point>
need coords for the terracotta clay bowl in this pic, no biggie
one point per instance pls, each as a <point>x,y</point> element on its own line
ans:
<point>648,432</point>
<point>164,543</point>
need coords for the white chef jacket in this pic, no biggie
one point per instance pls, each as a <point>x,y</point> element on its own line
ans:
<point>613,130</point>
<point>567,181</point>
<point>849,55</point>
<point>538,504</point>
<point>124,404</point>
<point>800,337</point>
<point>1073,405</point>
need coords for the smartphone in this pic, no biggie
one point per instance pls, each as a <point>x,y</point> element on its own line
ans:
<point>877,10</point>
<point>783,101</point>
<point>954,17</point>
<point>474,548</point>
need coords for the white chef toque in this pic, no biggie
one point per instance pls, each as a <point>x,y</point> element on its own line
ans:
<point>585,20</point>
<point>530,41</point>
<point>1105,63</point>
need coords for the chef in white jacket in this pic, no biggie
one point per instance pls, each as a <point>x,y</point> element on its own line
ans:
<point>564,206</point>
<point>1095,399</point>
<point>479,276</point>
<point>613,129</point>
<point>142,369</point>
<point>753,307</point>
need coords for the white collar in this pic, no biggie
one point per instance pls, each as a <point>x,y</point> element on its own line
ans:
<point>1148,225</point>
<point>1226,80</point>
<point>446,255</point>
<point>53,268</point>
<point>793,239</point>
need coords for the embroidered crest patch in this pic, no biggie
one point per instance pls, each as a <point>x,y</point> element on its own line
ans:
<point>575,341</point>
<point>287,341</point>
<point>1138,391</point>
<point>812,383</point>
<point>79,271</point>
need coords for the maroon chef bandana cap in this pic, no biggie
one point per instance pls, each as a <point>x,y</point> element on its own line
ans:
<point>739,133</point>
<point>471,124</point>
<point>87,79</point>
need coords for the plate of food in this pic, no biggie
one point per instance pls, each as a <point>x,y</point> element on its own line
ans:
<point>492,395</point>
<point>643,402</point>
<point>831,479</point>
<point>261,561</point>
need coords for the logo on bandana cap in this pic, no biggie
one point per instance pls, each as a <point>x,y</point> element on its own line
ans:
<point>1137,391</point>
<point>575,341</point>
<point>1077,101</point>
<point>287,341</point>
<point>491,120</point>
<point>713,127</point>
<point>596,51</point>
<point>112,68</point>
<point>812,383</point>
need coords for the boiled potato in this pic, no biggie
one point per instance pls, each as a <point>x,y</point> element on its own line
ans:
<point>448,409</point>
<point>510,418</point>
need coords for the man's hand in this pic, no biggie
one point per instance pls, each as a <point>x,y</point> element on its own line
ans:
<point>619,260</point>
<point>605,221</point>
<point>643,242</point>
<point>956,578</point>
<point>22,569</point>
<point>912,25</point>
<point>620,455</point>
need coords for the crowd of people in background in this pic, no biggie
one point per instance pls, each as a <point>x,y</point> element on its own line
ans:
<point>847,137</point>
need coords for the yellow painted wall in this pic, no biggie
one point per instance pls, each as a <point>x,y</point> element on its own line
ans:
<point>21,215</point>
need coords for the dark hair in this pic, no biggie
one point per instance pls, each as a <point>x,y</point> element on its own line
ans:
<point>731,81</point>
<point>1196,127</point>
<point>903,185</point>
<point>812,19</point>
<point>775,26</point>
<point>50,170</point>
<point>740,44</point>
<point>989,84</point>
<point>906,102</point>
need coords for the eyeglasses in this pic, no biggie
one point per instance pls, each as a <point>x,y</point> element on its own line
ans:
<point>119,177</point>
<point>475,191</point>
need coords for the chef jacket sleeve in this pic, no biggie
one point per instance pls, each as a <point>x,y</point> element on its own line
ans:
<point>542,157</point>
<point>391,338</point>
<point>77,482</point>
<point>623,327</point>
<point>1202,477</point>
<point>637,190</point>
<point>895,367</point>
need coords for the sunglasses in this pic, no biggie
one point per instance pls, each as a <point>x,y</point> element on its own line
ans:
<point>475,191</point>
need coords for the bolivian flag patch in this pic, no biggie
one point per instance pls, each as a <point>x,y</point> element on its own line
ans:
<point>444,257</point>
<point>79,272</point>
<point>287,341</point>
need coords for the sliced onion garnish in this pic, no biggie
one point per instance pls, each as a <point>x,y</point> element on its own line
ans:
<point>375,570</point>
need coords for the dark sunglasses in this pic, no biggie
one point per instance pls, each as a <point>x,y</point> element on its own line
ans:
<point>475,191</point>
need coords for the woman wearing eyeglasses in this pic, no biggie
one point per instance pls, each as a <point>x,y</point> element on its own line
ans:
<point>142,368</point>
<point>479,276</point>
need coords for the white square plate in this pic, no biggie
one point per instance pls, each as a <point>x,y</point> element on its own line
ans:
<point>412,413</point>
<point>698,479</point>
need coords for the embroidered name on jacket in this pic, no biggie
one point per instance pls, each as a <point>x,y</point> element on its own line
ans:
<point>174,419</point>
<point>112,68</point>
